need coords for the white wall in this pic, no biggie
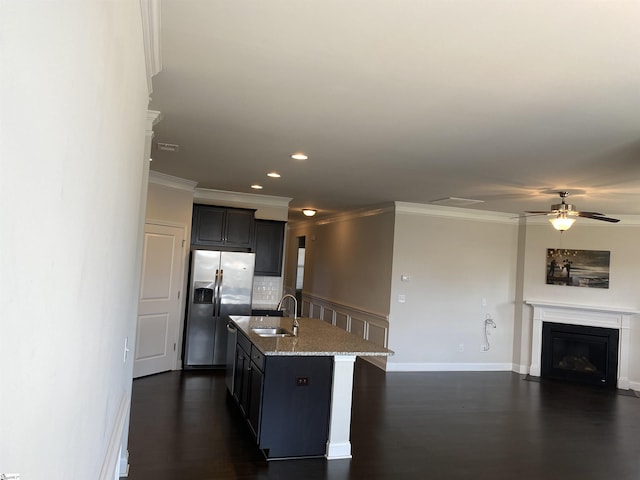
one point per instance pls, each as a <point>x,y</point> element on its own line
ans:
<point>74,103</point>
<point>454,260</point>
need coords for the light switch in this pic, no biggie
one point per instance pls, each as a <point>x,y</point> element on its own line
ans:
<point>405,278</point>
<point>402,298</point>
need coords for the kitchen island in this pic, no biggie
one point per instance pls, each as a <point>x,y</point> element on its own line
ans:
<point>296,391</point>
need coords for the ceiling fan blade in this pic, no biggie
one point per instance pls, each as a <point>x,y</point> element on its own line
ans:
<point>583,214</point>
<point>540,212</point>
<point>597,217</point>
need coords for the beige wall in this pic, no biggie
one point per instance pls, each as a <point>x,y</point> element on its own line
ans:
<point>171,205</point>
<point>452,264</point>
<point>348,259</point>
<point>455,259</point>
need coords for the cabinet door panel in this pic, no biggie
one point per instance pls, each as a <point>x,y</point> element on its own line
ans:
<point>255,398</point>
<point>269,245</point>
<point>239,228</point>
<point>208,225</point>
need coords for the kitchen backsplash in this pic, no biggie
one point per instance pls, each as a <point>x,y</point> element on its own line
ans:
<point>266,290</point>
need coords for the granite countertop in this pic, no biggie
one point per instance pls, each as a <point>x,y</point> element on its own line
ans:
<point>315,338</point>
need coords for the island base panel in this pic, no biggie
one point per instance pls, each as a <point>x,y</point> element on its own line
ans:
<point>295,406</point>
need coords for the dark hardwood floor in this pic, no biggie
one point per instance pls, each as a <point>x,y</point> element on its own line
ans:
<point>438,425</point>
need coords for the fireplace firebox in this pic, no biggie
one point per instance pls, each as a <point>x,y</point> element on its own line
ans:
<point>580,353</point>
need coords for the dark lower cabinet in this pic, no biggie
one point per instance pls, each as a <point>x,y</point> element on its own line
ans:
<point>285,400</point>
<point>241,379</point>
<point>296,399</point>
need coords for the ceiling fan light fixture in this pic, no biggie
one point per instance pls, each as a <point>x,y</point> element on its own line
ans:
<point>562,222</point>
<point>309,212</point>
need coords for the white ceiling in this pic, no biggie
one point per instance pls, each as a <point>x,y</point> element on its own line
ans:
<point>503,100</point>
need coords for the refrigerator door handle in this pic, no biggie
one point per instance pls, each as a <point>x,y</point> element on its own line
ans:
<point>215,293</point>
<point>218,295</point>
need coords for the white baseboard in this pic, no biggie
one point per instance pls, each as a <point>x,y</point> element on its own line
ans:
<point>449,367</point>
<point>338,450</point>
<point>124,464</point>
<point>635,386</point>
<point>111,461</point>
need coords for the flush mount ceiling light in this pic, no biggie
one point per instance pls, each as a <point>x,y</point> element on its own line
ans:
<point>299,156</point>
<point>273,175</point>
<point>256,186</point>
<point>309,212</point>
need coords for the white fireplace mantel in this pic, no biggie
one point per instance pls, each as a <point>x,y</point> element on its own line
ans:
<point>592,316</point>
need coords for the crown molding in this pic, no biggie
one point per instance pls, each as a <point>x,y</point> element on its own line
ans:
<point>151,24</point>
<point>209,195</point>
<point>455,212</point>
<point>153,118</point>
<point>171,181</point>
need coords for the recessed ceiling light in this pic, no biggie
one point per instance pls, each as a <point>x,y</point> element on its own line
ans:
<point>309,212</point>
<point>299,156</point>
<point>273,175</point>
<point>256,187</point>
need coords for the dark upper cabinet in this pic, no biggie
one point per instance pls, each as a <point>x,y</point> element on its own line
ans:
<point>269,243</point>
<point>222,227</point>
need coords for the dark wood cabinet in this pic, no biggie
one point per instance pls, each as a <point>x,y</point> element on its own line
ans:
<point>284,399</point>
<point>256,380</point>
<point>269,244</point>
<point>222,227</point>
<point>241,378</point>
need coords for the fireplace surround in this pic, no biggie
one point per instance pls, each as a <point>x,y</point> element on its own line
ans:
<point>590,316</point>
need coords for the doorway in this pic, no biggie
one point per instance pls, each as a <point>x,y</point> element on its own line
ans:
<point>300,272</point>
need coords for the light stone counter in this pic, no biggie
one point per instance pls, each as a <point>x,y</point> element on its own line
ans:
<point>318,338</point>
<point>315,338</point>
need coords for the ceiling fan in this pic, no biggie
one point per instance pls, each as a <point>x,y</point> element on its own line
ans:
<point>564,214</point>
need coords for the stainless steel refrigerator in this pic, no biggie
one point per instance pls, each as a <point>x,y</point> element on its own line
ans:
<point>221,284</point>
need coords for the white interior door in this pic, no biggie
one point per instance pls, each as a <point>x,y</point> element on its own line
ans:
<point>159,302</point>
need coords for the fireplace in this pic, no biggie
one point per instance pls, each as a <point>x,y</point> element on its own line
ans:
<point>617,319</point>
<point>580,353</point>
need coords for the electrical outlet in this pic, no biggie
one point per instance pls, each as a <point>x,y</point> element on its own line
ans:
<point>484,348</point>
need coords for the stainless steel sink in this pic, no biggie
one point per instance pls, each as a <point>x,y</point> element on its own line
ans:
<point>272,332</point>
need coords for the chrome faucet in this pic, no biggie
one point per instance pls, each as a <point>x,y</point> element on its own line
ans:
<point>295,310</point>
